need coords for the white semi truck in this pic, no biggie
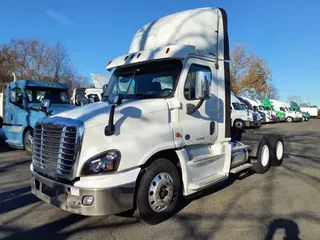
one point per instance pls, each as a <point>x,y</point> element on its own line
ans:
<point>166,137</point>
<point>241,117</point>
<point>291,116</point>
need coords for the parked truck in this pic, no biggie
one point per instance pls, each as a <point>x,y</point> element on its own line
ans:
<point>168,136</point>
<point>312,110</point>
<point>241,117</point>
<point>291,116</point>
<point>272,113</point>
<point>295,107</point>
<point>251,105</point>
<point>82,96</point>
<point>20,109</point>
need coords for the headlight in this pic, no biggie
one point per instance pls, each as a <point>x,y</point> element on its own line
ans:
<point>102,163</point>
<point>250,118</point>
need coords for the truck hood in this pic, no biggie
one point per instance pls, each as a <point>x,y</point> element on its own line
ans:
<point>95,114</point>
<point>54,108</point>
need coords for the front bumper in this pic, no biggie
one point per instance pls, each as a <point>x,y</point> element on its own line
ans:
<point>298,119</point>
<point>69,198</point>
<point>249,124</point>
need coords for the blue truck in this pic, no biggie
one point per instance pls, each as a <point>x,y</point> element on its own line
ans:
<point>20,109</point>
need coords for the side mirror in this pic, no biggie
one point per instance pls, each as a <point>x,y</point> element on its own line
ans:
<point>104,91</point>
<point>91,100</point>
<point>44,105</point>
<point>115,99</point>
<point>202,85</point>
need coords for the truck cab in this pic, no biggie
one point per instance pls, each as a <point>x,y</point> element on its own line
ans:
<point>272,113</point>
<point>251,105</point>
<point>295,107</point>
<point>83,96</point>
<point>21,109</point>
<point>290,115</point>
<point>241,116</point>
<point>163,133</point>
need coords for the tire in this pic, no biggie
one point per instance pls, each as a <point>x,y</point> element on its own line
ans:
<point>263,161</point>
<point>289,119</point>
<point>276,150</point>
<point>146,201</point>
<point>27,142</point>
<point>239,124</point>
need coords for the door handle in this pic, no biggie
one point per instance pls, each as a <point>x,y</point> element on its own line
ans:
<point>212,127</point>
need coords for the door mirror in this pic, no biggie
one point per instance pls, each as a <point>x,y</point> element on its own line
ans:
<point>104,91</point>
<point>91,100</point>
<point>115,99</point>
<point>202,85</point>
<point>44,105</point>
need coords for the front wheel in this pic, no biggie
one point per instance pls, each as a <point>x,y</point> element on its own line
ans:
<point>28,142</point>
<point>289,119</point>
<point>239,124</point>
<point>158,193</point>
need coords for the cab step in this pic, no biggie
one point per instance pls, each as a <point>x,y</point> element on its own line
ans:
<point>207,181</point>
<point>241,168</point>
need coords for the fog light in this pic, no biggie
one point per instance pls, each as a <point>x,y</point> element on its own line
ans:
<point>87,200</point>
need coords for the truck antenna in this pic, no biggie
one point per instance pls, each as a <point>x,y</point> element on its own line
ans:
<point>14,77</point>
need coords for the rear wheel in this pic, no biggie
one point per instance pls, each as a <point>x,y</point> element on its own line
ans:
<point>28,142</point>
<point>158,193</point>
<point>276,150</point>
<point>289,119</point>
<point>262,163</point>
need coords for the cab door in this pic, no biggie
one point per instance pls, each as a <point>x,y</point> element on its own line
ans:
<point>16,116</point>
<point>199,127</point>
<point>202,159</point>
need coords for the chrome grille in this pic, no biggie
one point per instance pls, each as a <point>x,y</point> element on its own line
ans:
<point>55,149</point>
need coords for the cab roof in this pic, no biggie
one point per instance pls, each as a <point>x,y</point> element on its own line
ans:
<point>202,31</point>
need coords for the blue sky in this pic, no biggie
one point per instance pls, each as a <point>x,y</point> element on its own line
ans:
<point>285,33</point>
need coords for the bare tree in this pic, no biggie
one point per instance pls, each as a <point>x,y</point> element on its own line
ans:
<point>250,74</point>
<point>295,98</point>
<point>33,59</point>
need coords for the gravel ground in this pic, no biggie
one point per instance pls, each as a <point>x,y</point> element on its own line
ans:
<point>284,202</point>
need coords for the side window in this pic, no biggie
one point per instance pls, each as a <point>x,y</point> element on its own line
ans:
<point>189,87</point>
<point>16,96</point>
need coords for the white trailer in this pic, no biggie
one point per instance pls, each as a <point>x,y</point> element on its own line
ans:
<point>313,111</point>
<point>168,136</point>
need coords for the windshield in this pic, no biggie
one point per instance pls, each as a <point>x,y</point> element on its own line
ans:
<point>238,106</point>
<point>287,109</point>
<point>282,109</point>
<point>255,108</point>
<point>151,80</point>
<point>262,108</point>
<point>36,94</point>
<point>268,108</point>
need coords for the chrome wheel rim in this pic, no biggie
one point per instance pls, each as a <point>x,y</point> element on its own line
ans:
<point>265,155</point>
<point>160,192</point>
<point>279,150</point>
<point>239,124</point>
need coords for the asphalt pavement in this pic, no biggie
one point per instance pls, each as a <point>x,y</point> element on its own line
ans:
<point>284,202</point>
